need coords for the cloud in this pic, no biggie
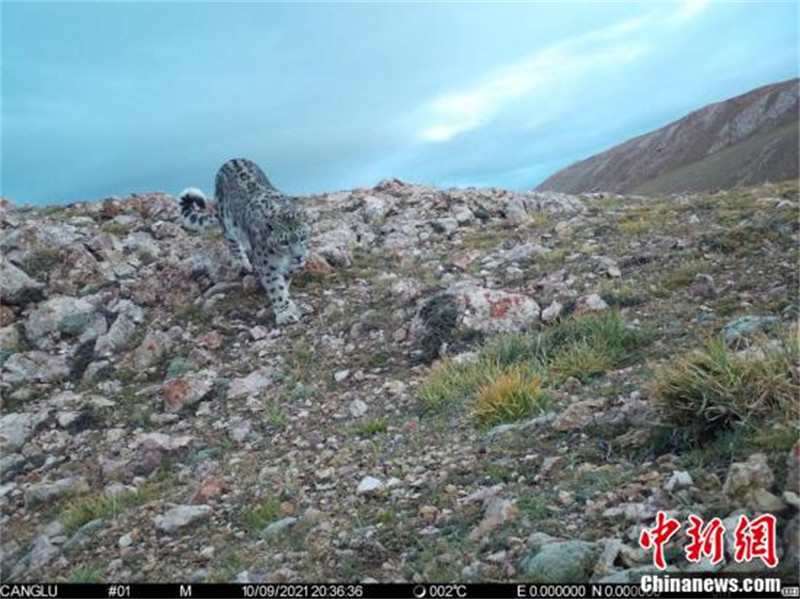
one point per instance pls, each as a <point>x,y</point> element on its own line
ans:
<point>551,68</point>
<point>688,10</point>
<point>557,68</point>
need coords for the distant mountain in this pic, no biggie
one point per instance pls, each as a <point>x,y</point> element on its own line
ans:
<point>745,140</point>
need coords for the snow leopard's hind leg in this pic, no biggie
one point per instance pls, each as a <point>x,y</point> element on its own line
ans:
<point>272,269</point>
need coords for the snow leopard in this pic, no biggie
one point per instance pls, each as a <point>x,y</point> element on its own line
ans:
<point>266,230</point>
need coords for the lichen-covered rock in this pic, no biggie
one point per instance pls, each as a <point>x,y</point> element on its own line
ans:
<point>466,309</point>
<point>63,314</point>
<point>188,389</point>
<point>562,561</point>
<point>35,366</point>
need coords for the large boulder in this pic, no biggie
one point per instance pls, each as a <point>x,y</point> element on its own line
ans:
<point>466,310</point>
<point>64,314</point>
<point>562,561</point>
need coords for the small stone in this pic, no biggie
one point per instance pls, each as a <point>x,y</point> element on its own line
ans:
<point>211,488</point>
<point>703,286</point>
<point>341,375</point>
<point>498,512</point>
<point>240,431</point>
<point>181,516</point>
<point>400,335</point>
<point>125,540</point>
<point>369,485</point>
<point>259,332</point>
<point>207,552</point>
<point>551,464</point>
<point>278,526</point>
<point>593,303</point>
<point>552,312</point>
<point>357,408</point>
<point>577,414</point>
<point>211,340</point>
<point>464,216</point>
<point>252,384</point>
<point>680,479</point>
<point>614,271</point>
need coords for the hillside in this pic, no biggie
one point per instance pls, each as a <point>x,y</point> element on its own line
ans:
<point>746,140</point>
<point>487,386</point>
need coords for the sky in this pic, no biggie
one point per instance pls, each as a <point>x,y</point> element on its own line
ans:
<point>110,98</point>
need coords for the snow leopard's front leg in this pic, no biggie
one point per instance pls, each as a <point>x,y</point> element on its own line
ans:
<point>238,254</point>
<point>272,269</point>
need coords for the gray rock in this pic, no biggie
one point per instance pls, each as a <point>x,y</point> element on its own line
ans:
<point>562,561</point>
<point>122,331</point>
<point>357,408</point>
<point>680,479</point>
<point>552,312</point>
<point>16,287</point>
<point>46,492</point>
<point>60,314</point>
<point>16,428</point>
<point>253,383</point>
<point>741,329</point>
<point>35,366</point>
<point>592,303</point>
<point>9,338</point>
<point>369,485</point>
<point>155,345</point>
<point>746,481</point>
<point>42,552</point>
<point>181,516</point>
<point>10,465</point>
<point>278,527</point>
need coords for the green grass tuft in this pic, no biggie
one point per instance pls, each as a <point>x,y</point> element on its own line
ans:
<point>708,390</point>
<point>87,508</point>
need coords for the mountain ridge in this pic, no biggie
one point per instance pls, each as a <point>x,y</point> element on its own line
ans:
<point>651,163</point>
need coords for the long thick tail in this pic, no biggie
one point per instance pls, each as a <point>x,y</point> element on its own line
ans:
<point>194,210</point>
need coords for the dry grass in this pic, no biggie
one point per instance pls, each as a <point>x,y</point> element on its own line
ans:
<point>511,396</point>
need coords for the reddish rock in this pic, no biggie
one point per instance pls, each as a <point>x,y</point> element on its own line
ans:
<point>317,265</point>
<point>188,389</point>
<point>211,340</point>
<point>211,488</point>
<point>7,316</point>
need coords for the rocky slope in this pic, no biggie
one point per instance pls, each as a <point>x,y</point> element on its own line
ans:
<point>745,140</point>
<point>156,426</point>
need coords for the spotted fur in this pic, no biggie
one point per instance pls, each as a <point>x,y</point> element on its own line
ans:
<point>266,231</point>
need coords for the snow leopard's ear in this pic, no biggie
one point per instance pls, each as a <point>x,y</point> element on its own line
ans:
<point>191,196</point>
